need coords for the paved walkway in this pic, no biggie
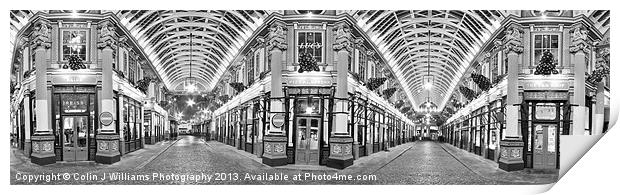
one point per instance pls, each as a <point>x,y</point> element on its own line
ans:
<point>421,162</point>
<point>490,170</point>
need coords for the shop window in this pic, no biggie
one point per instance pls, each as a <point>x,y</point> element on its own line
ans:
<point>74,43</point>
<point>125,62</point>
<point>250,69</point>
<point>312,43</point>
<point>132,70</point>
<point>546,42</point>
<point>362,66</point>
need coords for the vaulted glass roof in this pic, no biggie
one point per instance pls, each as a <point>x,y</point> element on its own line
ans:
<point>402,37</point>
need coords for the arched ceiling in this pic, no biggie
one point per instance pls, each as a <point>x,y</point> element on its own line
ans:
<point>402,36</point>
<point>217,37</point>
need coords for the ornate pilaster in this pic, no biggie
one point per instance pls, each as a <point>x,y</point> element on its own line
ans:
<point>108,137</point>
<point>42,139</point>
<point>275,139</point>
<point>579,48</point>
<point>340,141</point>
<point>602,61</point>
<point>511,145</point>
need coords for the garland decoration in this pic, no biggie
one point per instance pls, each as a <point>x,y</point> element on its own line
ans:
<point>498,79</point>
<point>143,84</point>
<point>546,66</point>
<point>399,104</point>
<point>597,74</point>
<point>374,83</point>
<point>467,92</point>
<point>405,109</point>
<point>75,63</point>
<point>389,92</point>
<point>239,87</point>
<point>223,98</point>
<point>483,82</point>
<point>27,73</point>
<point>307,63</point>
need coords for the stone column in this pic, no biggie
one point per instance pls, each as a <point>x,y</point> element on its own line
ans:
<point>27,127</point>
<point>579,47</point>
<point>511,145</point>
<point>340,141</point>
<point>107,137</point>
<point>43,138</point>
<point>121,121</point>
<point>602,59</point>
<point>274,151</point>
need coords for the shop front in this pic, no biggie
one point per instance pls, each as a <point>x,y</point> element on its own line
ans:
<point>74,122</point>
<point>546,112</point>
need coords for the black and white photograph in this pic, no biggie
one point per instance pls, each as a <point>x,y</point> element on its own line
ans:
<point>322,97</point>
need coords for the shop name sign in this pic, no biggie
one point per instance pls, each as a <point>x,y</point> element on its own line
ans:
<point>74,79</point>
<point>308,81</point>
<point>546,85</point>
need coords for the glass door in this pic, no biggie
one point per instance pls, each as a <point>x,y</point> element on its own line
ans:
<point>545,146</point>
<point>75,138</point>
<point>307,141</point>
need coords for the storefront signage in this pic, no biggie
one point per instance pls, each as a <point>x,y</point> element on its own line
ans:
<point>546,95</point>
<point>546,112</point>
<point>277,120</point>
<point>106,118</point>
<point>546,85</point>
<point>310,26</point>
<point>308,81</point>
<point>74,79</point>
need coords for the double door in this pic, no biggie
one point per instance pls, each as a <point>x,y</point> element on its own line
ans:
<point>308,133</point>
<point>544,138</point>
<point>75,138</point>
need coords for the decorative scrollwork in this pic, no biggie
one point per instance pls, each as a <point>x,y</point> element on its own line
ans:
<point>342,37</point>
<point>579,40</point>
<point>276,37</point>
<point>513,40</point>
<point>107,35</point>
<point>41,35</point>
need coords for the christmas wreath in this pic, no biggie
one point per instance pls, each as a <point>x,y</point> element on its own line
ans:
<point>374,83</point>
<point>597,74</point>
<point>75,63</point>
<point>399,103</point>
<point>307,63</point>
<point>467,92</point>
<point>546,65</point>
<point>483,82</point>
<point>405,109</point>
<point>389,92</point>
<point>239,87</point>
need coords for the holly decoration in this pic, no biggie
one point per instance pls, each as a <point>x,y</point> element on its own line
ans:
<point>75,63</point>
<point>307,63</point>
<point>546,65</point>
<point>597,74</point>
<point>239,87</point>
<point>374,83</point>
<point>483,82</point>
<point>389,92</point>
<point>467,92</point>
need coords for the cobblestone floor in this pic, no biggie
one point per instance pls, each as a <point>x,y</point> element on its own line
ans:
<point>180,162</point>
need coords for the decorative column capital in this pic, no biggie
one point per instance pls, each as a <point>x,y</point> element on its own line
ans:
<point>276,38</point>
<point>107,35</point>
<point>579,40</point>
<point>40,35</point>
<point>342,37</point>
<point>513,39</point>
<point>602,52</point>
